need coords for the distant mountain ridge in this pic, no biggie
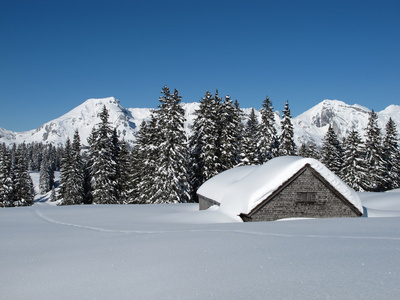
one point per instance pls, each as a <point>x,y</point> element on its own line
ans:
<point>309,126</point>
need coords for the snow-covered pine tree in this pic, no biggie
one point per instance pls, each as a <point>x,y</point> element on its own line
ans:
<point>354,169</point>
<point>391,152</point>
<point>269,142</point>
<point>22,182</point>
<point>77,181</point>
<point>332,152</point>
<point>374,155</point>
<point>170,180</point>
<point>250,151</point>
<point>65,176</point>
<point>53,196</point>
<point>103,165</point>
<point>124,169</point>
<point>33,156</point>
<point>87,195</point>
<point>230,134</point>
<point>286,140</point>
<point>46,176</point>
<point>147,149</point>
<point>72,175</point>
<point>138,171</point>
<point>6,177</point>
<point>308,150</point>
<point>303,150</point>
<point>313,151</point>
<point>204,143</point>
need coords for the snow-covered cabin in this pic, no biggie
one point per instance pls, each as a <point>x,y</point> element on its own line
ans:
<point>284,187</point>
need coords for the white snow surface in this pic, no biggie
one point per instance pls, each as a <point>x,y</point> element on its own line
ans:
<point>175,251</point>
<point>241,189</point>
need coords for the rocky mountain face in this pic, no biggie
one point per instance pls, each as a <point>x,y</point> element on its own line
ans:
<point>310,126</point>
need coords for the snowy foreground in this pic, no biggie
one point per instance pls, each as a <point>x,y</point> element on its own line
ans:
<point>177,252</point>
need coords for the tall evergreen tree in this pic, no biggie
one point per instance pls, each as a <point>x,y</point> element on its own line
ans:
<point>22,182</point>
<point>72,174</point>
<point>205,142</point>
<point>354,170</point>
<point>309,150</point>
<point>147,149</point>
<point>391,151</point>
<point>138,170</point>
<point>6,177</point>
<point>103,165</point>
<point>170,181</point>
<point>53,196</point>
<point>46,176</point>
<point>287,145</point>
<point>66,176</point>
<point>313,151</point>
<point>77,184</point>
<point>269,142</point>
<point>374,155</point>
<point>124,169</point>
<point>87,195</point>
<point>230,134</point>
<point>250,152</point>
<point>332,152</point>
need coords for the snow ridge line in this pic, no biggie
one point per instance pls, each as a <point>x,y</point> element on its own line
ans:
<point>47,219</point>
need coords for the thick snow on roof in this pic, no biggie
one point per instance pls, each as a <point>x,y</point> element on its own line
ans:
<point>241,189</point>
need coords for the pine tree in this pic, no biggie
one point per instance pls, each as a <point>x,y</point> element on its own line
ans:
<point>374,155</point>
<point>269,143</point>
<point>46,177</point>
<point>147,150</point>
<point>250,152</point>
<point>332,152</point>
<point>124,169</point>
<point>391,153</point>
<point>287,145</point>
<point>6,177</point>
<point>87,195</point>
<point>170,181</point>
<point>22,182</point>
<point>103,165</point>
<point>66,176</point>
<point>138,170</point>
<point>313,151</point>
<point>230,134</point>
<point>72,175</point>
<point>77,180</point>
<point>308,150</point>
<point>53,196</point>
<point>354,170</point>
<point>204,143</point>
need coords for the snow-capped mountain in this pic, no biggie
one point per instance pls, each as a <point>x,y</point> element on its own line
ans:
<point>83,117</point>
<point>310,126</point>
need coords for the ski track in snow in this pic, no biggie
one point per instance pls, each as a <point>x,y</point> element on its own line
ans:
<point>47,219</point>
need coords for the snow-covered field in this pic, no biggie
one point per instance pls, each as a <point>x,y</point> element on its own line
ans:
<point>175,251</point>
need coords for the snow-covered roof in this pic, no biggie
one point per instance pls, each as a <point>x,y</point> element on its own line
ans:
<point>241,189</point>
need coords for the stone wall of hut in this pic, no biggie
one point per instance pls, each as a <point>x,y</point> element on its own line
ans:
<point>306,196</point>
<point>205,202</point>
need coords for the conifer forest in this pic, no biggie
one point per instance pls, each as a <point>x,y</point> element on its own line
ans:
<point>165,165</point>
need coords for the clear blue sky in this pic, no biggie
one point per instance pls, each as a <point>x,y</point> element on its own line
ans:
<point>56,54</point>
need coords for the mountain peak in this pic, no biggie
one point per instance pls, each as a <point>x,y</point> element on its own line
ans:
<point>99,101</point>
